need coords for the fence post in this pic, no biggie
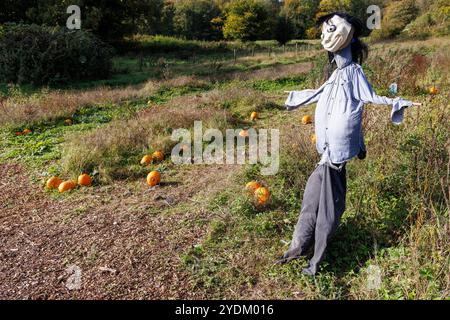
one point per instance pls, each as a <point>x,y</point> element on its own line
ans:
<point>234,55</point>
<point>141,61</point>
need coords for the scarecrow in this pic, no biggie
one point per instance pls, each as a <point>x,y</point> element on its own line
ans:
<point>339,135</point>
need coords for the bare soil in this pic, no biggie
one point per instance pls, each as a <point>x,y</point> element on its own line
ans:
<point>126,238</point>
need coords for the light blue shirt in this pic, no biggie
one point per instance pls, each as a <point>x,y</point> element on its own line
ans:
<point>340,104</point>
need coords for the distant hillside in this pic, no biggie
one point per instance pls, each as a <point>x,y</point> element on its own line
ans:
<point>414,19</point>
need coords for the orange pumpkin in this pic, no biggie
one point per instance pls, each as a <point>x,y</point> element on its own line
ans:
<point>253,115</point>
<point>146,160</point>
<point>158,155</point>
<point>19,133</point>
<point>26,131</point>
<point>243,133</point>
<point>306,119</point>
<point>84,180</point>
<point>262,195</point>
<point>68,122</point>
<point>433,90</point>
<point>251,186</point>
<point>67,185</point>
<point>153,178</point>
<point>313,138</point>
<point>53,182</point>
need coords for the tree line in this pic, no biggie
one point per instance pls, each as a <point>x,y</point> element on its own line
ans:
<point>246,20</point>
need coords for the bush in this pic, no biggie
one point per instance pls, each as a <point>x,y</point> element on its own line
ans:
<point>40,55</point>
<point>433,21</point>
<point>397,16</point>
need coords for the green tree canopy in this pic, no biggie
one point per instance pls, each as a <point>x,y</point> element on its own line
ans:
<point>193,19</point>
<point>301,13</point>
<point>248,20</point>
<point>398,14</point>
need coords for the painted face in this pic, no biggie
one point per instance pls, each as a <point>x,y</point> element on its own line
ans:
<point>336,34</point>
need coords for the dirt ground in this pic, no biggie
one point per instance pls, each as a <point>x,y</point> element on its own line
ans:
<point>124,239</point>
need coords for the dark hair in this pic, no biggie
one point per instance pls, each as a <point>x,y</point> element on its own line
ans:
<point>360,51</point>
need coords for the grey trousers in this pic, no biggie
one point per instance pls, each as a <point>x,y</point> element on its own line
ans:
<point>322,207</point>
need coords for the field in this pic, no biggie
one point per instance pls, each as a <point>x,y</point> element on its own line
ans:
<point>197,235</point>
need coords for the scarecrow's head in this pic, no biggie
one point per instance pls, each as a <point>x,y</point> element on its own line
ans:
<point>337,33</point>
<point>339,30</point>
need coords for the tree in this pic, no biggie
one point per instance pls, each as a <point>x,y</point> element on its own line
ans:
<point>167,13</point>
<point>329,6</point>
<point>15,10</point>
<point>108,19</point>
<point>144,15</point>
<point>248,20</point>
<point>284,29</point>
<point>193,19</point>
<point>302,14</point>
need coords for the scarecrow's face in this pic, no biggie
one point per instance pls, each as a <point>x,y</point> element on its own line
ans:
<point>336,34</point>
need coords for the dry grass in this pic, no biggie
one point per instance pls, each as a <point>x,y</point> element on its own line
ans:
<point>110,149</point>
<point>48,105</point>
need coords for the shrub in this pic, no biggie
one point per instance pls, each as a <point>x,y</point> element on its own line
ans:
<point>398,15</point>
<point>434,21</point>
<point>40,55</point>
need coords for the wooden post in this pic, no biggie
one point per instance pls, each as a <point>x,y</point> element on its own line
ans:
<point>296,48</point>
<point>141,61</point>
<point>234,55</point>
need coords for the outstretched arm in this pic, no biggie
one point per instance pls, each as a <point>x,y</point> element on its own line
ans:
<point>296,99</point>
<point>362,91</point>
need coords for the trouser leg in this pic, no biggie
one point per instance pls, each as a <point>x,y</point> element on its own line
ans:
<point>304,230</point>
<point>330,209</point>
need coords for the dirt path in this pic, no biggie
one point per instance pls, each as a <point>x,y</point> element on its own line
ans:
<point>125,239</point>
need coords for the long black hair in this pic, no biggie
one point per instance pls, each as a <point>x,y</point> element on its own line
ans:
<point>360,51</point>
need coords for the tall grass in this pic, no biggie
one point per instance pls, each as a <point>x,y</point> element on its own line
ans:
<point>19,109</point>
<point>114,149</point>
<point>396,227</point>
